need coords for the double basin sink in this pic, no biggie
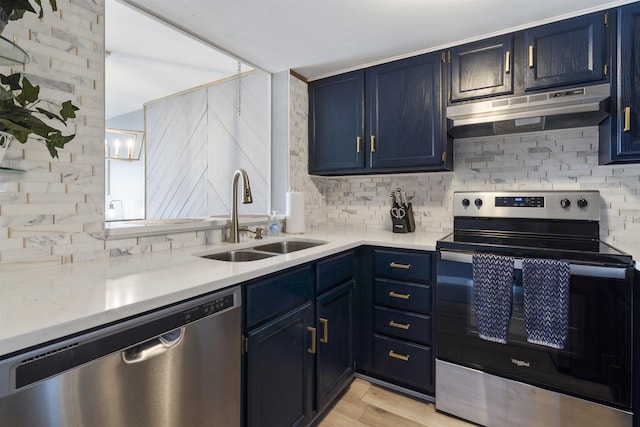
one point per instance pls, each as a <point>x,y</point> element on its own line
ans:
<point>267,250</point>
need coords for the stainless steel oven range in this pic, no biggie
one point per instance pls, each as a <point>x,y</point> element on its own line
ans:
<point>534,313</point>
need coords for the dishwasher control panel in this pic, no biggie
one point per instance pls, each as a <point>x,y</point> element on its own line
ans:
<point>208,308</point>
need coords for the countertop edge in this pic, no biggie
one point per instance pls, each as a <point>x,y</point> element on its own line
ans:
<point>10,345</point>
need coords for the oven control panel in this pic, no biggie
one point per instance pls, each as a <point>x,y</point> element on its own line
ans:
<point>520,201</point>
<point>579,205</point>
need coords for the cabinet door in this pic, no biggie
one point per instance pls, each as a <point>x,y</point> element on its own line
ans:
<point>628,117</point>
<point>404,110</point>
<point>335,357</point>
<point>482,68</point>
<point>280,371</point>
<point>565,53</point>
<point>336,123</point>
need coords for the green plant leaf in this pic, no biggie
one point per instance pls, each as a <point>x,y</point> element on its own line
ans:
<point>13,81</point>
<point>57,140</point>
<point>29,92</point>
<point>19,132</point>
<point>21,117</point>
<point>49,114</point>
<point>16,8</point>
<point>68,111</point>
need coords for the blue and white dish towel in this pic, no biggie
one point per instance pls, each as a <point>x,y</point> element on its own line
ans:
<point>545,283</point>
<point>493,293</point>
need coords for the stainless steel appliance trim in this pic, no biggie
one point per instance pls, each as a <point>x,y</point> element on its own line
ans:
<point>494,401</point>
<point>552,208</point>
<point>576,269</point>
<point>583,99</point>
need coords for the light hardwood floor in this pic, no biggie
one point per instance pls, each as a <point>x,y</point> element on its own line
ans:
<point>365,404</point>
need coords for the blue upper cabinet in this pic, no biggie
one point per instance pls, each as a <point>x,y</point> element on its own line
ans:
<point>405,115</point>
<point>623,145</point>
<point>384,119</point>
<point>565,53</point>
<point>336,123</point>
<point>483,68</point>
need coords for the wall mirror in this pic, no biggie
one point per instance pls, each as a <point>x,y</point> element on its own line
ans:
<point>197,115</point>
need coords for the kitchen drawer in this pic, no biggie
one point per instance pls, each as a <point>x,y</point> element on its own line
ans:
<point>403,265</point>
<point>404,362</point>
<point>407,326</point>
<point>334,271</point>
<point>278,294</point>
<point>403,296</point>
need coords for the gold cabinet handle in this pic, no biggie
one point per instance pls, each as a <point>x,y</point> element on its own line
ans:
<point>312,350</point>
<point>358,142</point>
<point>404,326</point>
<point>325,330</point>
<point>402,357</point>
<point>400,296</point>
<point>531,56</point>
<point>393,264</point>
<point>507,62</point>
<point>627,119</point>
<point>373,144</point>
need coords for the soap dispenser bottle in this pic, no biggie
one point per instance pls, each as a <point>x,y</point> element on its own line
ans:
<point>274,224</point>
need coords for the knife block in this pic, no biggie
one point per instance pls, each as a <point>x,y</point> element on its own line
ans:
<point>403,225</point>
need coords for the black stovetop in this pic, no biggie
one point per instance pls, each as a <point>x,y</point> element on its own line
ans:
<point>526,245</point>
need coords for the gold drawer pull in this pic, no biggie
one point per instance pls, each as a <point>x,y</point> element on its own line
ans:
<point>627,119</point>
<point>312,350</point>
<point>358,142</point>
<point>507,62</point>
<point>402,357</point>
<point>373,144</point>
<point>404,326</point>
<point>401,296</point>
<point>531,56</point>
<point>397,265</point>
<point>325,330</point>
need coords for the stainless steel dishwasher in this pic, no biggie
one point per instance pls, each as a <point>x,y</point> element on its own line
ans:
<point>174,367</point>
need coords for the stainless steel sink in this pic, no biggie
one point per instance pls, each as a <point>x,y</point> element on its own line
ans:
<point>239,256</point>
<point>268,250</point>
<point>287,246</point>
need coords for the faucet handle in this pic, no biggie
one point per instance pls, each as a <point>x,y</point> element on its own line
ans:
<point>259,231</point>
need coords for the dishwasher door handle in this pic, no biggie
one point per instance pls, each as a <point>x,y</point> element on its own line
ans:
<point>153,347</point>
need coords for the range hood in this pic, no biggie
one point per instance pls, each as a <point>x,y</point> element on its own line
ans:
<point>569,108</point>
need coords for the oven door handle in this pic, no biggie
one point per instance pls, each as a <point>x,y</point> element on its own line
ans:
<point>576,269</point>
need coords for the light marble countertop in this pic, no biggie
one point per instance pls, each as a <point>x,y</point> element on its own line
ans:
<point>40,304</point>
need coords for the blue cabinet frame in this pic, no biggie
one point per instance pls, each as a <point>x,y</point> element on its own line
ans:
<point>565,53</point>
<point>385,119</point>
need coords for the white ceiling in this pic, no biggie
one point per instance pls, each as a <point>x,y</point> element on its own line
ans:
<point>316,38</point>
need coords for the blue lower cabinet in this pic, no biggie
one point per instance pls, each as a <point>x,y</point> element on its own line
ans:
<point>280,371</point>
<point>401,306</point>
<point>334,361</point>
<point>399,324</point>
<point>300,346</point>
<point>403,362</point>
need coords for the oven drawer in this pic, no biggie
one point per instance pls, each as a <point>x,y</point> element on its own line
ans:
<point>407,326</point>
<point>404,296</point>
<point>403,265</point>
<point>405,362</point>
